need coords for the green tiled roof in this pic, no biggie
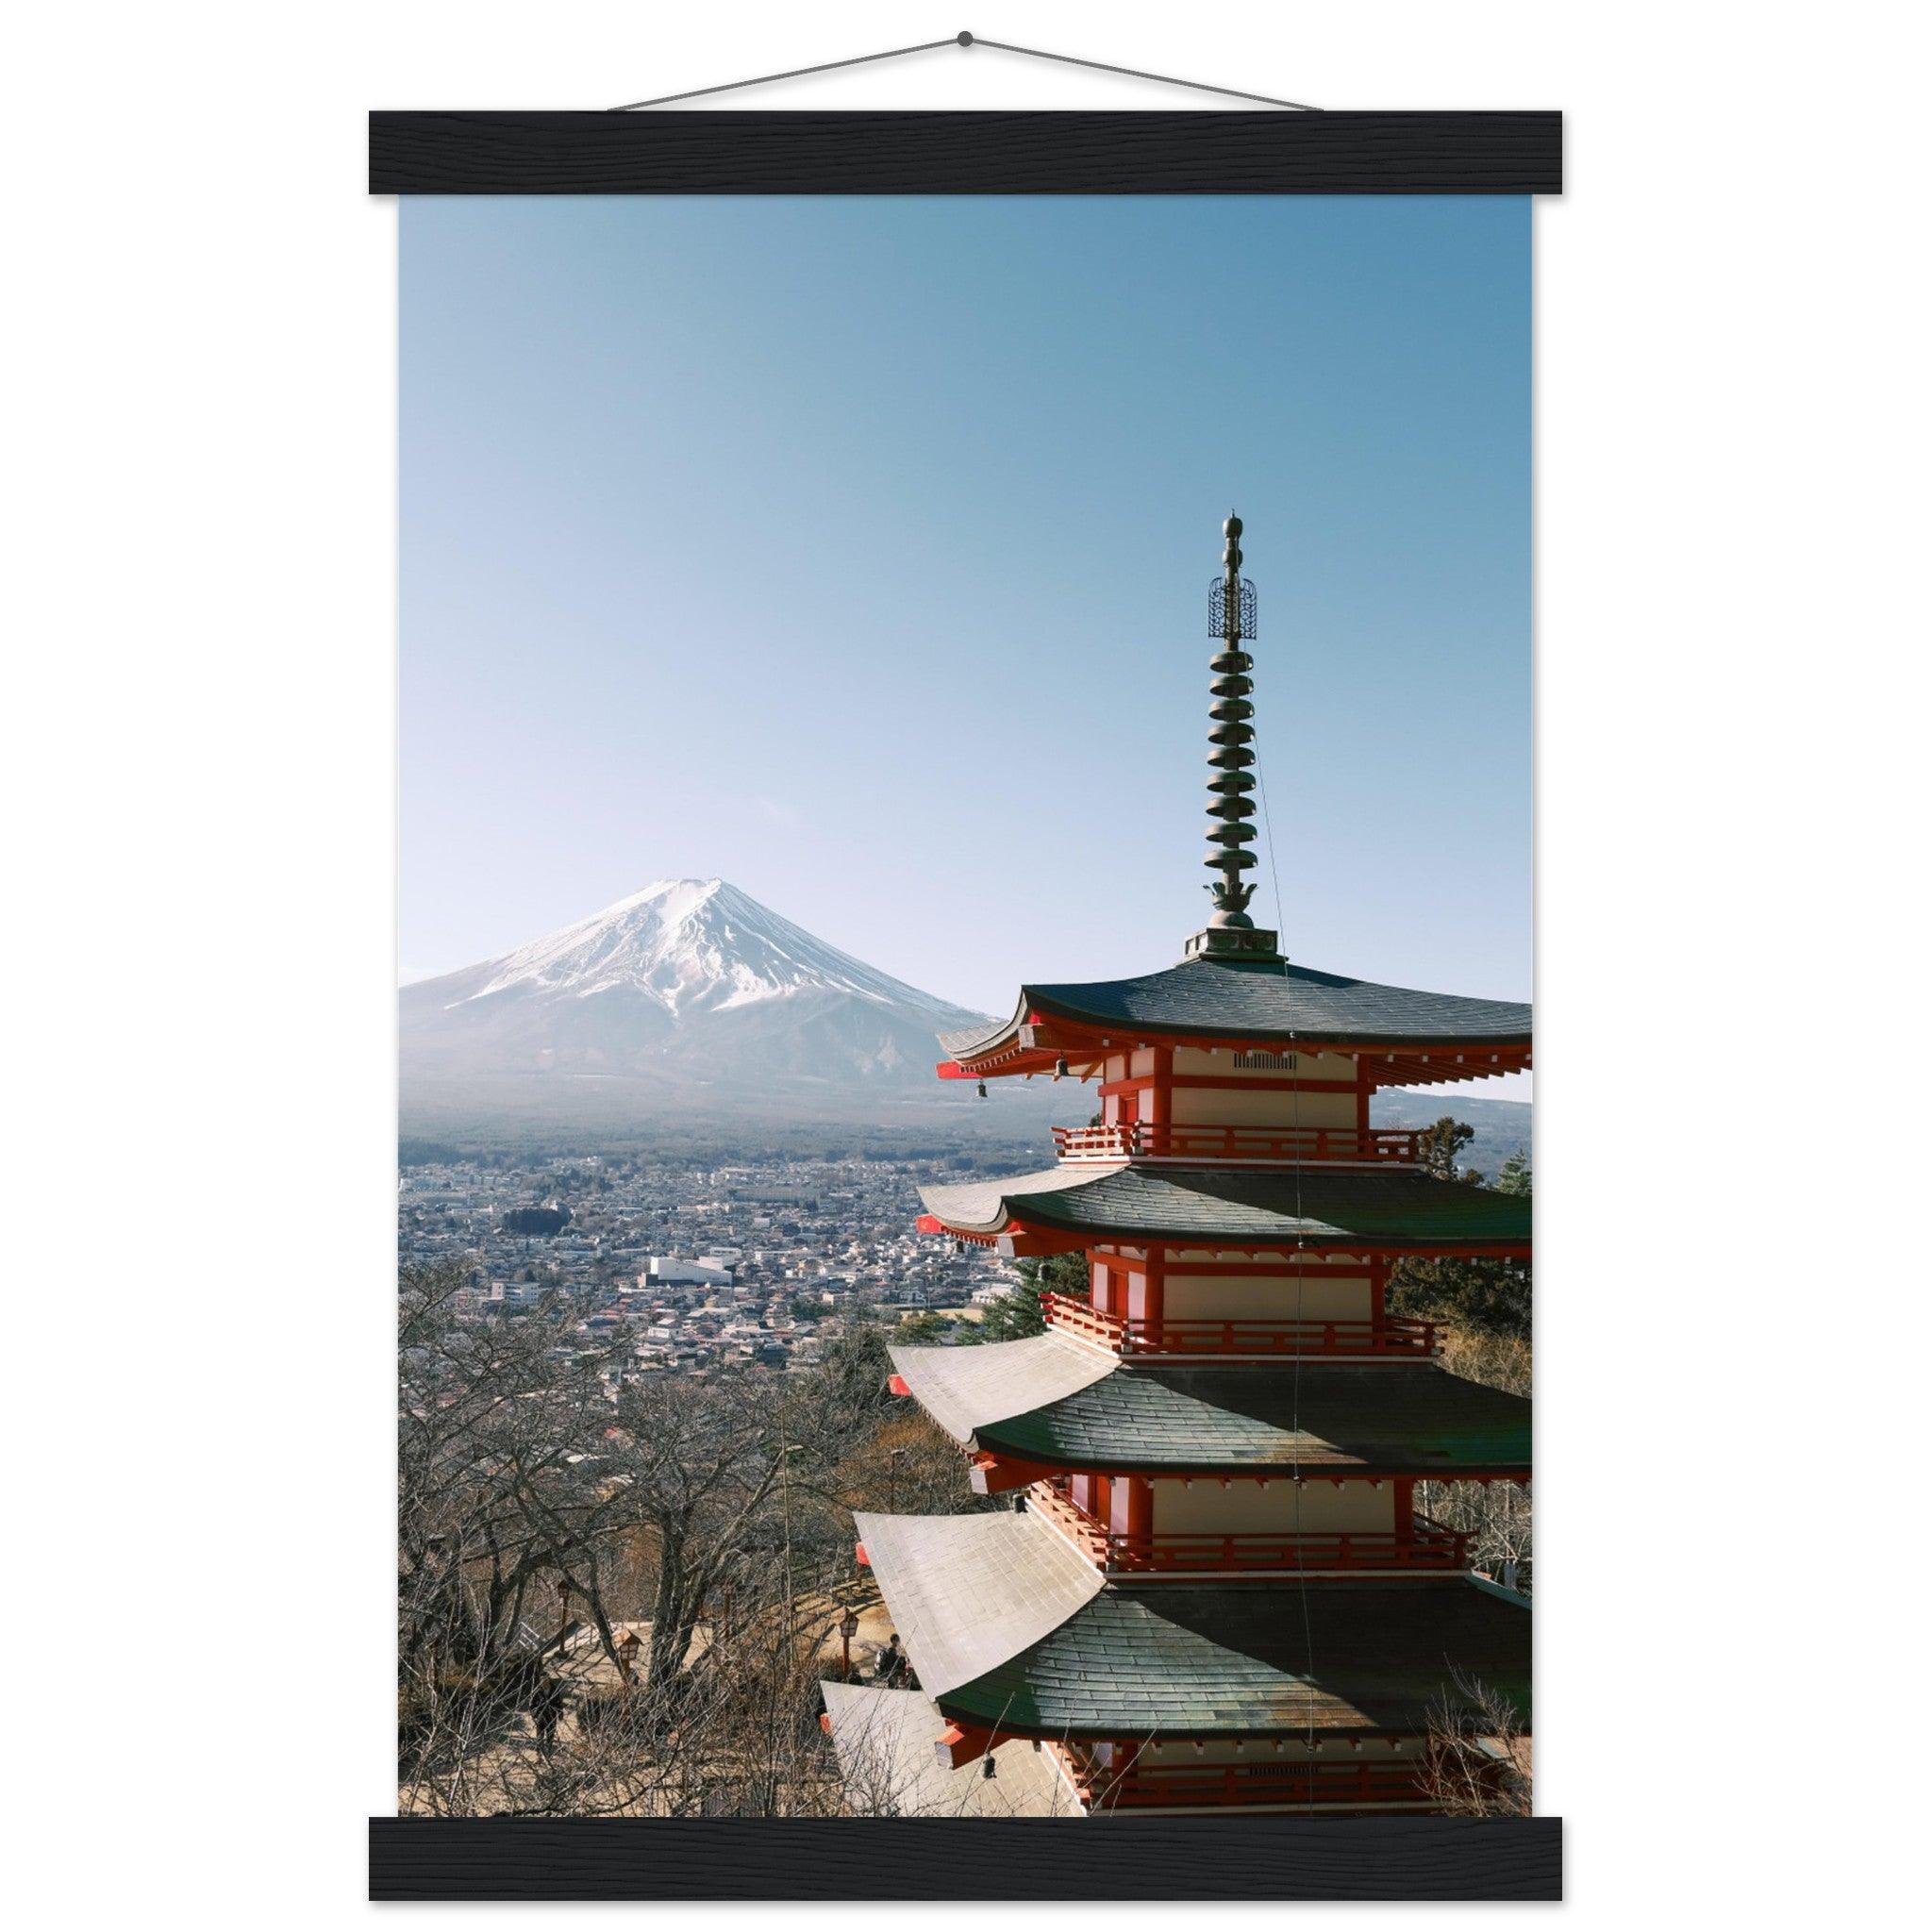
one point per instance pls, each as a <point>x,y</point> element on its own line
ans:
<point>1395,1420</point>
<point>962,1389</point>
<point>1256,1001</point>
<point>1238,1659</point>
<point>967,1593</point>
<point>1231,1207</point>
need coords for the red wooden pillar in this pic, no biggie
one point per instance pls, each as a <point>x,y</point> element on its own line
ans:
<point>1156,1309</point>
<point>1158,1103</point>
<point>1405,1509</point>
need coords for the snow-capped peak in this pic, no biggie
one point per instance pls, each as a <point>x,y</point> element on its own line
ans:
<point>690,945</point>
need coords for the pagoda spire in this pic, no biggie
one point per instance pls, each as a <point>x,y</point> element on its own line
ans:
<point>1230,933</point>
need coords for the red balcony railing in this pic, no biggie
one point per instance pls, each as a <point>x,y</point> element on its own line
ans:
<point>1426,1545</point>
<point>1397,1335</point>
<point>1355,1784</point>
<point>1167,1140</point>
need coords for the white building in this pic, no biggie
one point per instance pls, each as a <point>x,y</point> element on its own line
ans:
<point>670,1270</point>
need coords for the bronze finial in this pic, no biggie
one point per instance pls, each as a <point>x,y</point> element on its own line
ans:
<point>1230,933</point>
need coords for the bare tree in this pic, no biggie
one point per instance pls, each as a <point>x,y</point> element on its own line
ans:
<point>1499,1362</point>
<point>1476,1756</point>
<point>499,1509</point>
<point>1497,1517</point>
<point>491,1420</point>
<point>622,1607</point>
<point>698,1462</point>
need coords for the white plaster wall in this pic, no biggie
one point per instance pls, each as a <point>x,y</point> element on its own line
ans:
<point>1268,1107</point>
<point>1268,1298</point>
<point>1281,1506</point>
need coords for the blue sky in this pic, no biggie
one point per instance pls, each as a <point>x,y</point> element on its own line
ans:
<point>858,550</point>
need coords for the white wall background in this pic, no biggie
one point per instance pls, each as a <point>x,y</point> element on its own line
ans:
<point>197,782</point>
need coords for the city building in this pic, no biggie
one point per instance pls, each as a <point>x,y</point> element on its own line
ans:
<point>1218,1591</point>
<point>670,1271</point>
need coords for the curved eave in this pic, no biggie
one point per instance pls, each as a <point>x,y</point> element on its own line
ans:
<point>977,1043</point>
<point>1052,1404</point>
<point>1128,1460</point>
<point>975,1212</point>
<point>1010,1632</point>
<point>1307,1209</point>
<point>1344,1658</point>
<point>968,1593</point>
<point>964,1389</point>
<point>884,1741</point>
<point>1449,1038</point>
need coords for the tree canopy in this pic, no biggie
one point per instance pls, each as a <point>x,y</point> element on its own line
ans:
<point>1481,1296</point>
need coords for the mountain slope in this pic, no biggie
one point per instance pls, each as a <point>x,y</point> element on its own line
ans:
<point>690,945</point>
<point>689,1004</point>
<point>687,995</point>
<point>1502,1127</point>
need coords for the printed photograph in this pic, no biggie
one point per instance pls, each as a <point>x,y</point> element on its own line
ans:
<point>965,948</point>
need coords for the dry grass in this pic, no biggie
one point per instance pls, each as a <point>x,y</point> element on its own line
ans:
<point>1498,1361</point>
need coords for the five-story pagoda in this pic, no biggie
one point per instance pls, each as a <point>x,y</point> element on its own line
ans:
<point>1217,1590</point>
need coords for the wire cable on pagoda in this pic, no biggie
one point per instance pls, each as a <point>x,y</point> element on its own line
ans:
<point>1294,1410</point>
<point>1274,869</point>
<point>967,40</point>
<point>1268,822</point>
<point>1301,1281</point>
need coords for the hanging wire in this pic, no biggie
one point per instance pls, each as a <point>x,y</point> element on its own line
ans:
<point>1294,1414</point>
<point>725,87</point>
<point>966,40</point>
<point>1273,869</point>
<point>1206,87</point>
<point>1295,1421</point>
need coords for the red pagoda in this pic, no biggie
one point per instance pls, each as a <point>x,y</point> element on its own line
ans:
<point>1211,1586</point>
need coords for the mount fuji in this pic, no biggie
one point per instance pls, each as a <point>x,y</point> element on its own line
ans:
<point>688,999</point>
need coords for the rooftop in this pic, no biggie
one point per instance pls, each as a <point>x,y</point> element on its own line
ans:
<point>966,1593</point>
<point>964,1388</point>
<point>1270,1002</point>
<point>884,1740</point>
<point>1343,1210</point>
<point>1006,1639</point>
<point>1054,1402</point>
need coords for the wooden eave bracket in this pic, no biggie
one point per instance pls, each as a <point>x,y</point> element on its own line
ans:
<point>994,1476</point>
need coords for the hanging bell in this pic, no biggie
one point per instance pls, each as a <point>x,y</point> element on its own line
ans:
<point>982,1090</point>
<point>1059,1067</point>
<point>991,1769</point>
